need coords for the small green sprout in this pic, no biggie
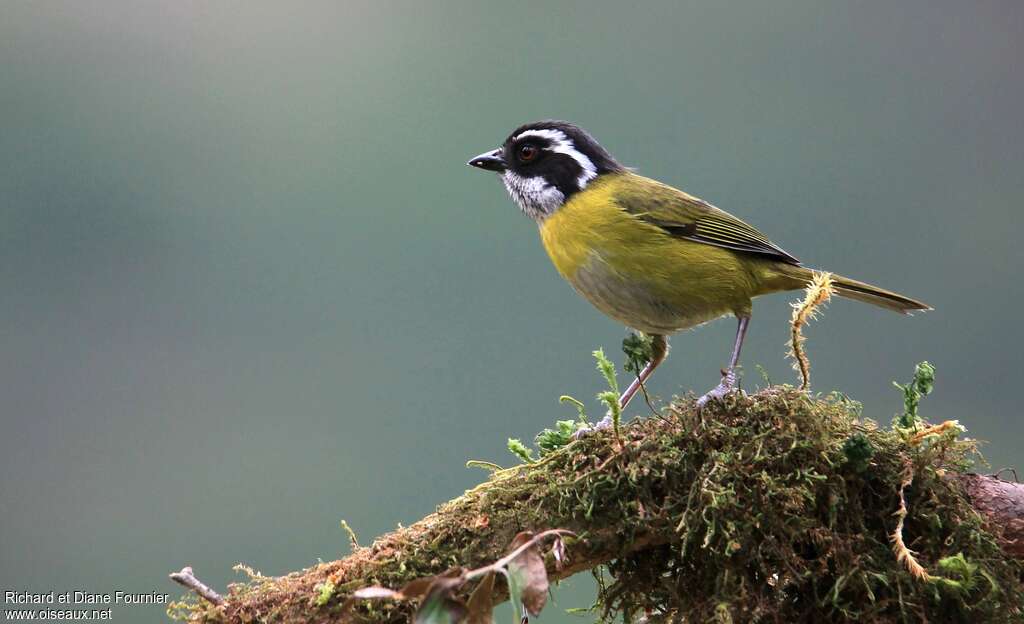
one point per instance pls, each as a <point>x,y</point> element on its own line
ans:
<point>609,397</point>
<point>550,440</point>
<point>520,450</point>
<point>921,386</point>
<point>352,539</point>
<point>581,409</point>
<point>961,575</point>
<point>607,370</point>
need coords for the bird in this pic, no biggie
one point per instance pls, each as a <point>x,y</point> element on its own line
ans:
<point>646,254</point>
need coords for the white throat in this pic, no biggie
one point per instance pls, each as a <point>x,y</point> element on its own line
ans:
<point>534,196</point>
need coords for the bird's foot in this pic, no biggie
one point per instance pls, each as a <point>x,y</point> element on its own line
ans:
<point>601,425</point>
<point>727,385</point>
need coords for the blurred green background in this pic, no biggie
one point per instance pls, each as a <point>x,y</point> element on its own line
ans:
<point>249,286</point>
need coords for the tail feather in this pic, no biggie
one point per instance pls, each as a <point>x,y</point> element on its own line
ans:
<point>861,291</point>
<point>852,289</point>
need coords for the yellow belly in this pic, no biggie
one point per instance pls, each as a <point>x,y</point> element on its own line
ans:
<point>636,273</point>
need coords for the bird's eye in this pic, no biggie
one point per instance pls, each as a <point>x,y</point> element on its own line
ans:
<point>528,152</point>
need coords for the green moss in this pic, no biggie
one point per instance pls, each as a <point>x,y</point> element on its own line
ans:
<point>787,516</point>
<point>760,508</point>
<point>550,440</point>
<point>858,451</point>
<point>324,592</point>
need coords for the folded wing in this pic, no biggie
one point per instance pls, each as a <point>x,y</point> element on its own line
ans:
<point>688,217</point>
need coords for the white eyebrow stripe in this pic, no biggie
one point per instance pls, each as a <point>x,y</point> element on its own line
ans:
<point>563,145</point>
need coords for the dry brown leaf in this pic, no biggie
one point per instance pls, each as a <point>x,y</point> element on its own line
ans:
<point>527,576</point>
<point>481,602</point>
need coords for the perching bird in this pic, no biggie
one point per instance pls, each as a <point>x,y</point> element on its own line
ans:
<point>646,254</point>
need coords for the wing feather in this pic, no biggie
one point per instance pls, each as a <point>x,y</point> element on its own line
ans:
<point>687,217</point>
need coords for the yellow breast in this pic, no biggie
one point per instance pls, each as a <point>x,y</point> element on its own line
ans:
<point>634,271</point>
<point>589,223</point>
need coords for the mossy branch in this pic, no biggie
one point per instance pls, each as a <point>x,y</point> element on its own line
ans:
<point>778,506</point>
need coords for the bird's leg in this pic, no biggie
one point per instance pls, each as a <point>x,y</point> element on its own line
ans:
<point>729,374</point>
<point>659,351</point>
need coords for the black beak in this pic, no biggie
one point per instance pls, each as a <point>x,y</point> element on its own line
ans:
<point>491,161</point>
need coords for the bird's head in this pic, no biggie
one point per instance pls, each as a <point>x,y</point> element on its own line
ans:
<point>543,163</point>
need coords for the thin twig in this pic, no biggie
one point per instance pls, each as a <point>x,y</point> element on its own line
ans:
<point>504,561</point>
<point>998,474</point>
<point>187,579</point>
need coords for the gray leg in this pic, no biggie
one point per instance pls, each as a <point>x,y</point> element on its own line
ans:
<point>729,374</point>
<point>659,351</point>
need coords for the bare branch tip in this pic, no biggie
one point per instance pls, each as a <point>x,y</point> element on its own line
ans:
<point>187,579</point>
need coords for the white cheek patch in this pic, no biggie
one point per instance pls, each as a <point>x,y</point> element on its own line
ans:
<point>561,144</point>
<point>534,196</point>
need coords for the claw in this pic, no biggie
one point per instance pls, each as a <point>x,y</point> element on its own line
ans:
<point>728,374</point>
<point>726,386</point>
<point>601,425</point>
